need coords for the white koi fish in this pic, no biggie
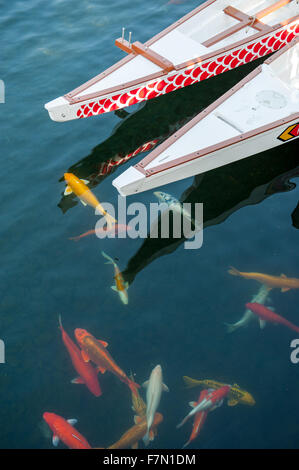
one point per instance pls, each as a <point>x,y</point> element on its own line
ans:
<point>154,386</point>
<point>176,206</point>
<point>260,298</point>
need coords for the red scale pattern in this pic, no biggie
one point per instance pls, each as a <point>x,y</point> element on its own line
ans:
<point>189,76</point>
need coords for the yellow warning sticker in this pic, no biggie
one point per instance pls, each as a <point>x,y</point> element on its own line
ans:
<point>291,132</point>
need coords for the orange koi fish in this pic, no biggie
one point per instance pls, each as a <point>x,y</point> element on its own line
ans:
<point>117,228</point>
<point>78,187</point>
<point>130,438</point>
<point>283,282</point>
<point>120,285</point>
<point>199,418</point>
<point>87,374</point>
<point>63,430</point>
<point>95,350</point>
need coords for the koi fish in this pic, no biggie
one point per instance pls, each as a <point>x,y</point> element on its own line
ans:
<point>283,282</point>
<point>236,394</point>
<point>87,374</point>
<point>96,351</point>
<point>78,187</point>
<point>120,285</point>
<point>199,418</point>
<point>212,400</point>
<point>131,438</point>
<point>138,404</point>
<point>176,206</point>
<point>154,388</point>
<point>268,315</point>
<point>261,298</point>
<point>117,228</point>
<point>63,430</point>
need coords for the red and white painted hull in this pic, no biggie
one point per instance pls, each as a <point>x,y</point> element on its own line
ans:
<point>184,54</point>
<point>259,113</point>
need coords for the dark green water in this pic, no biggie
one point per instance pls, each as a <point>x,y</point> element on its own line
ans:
<point>177,303</point>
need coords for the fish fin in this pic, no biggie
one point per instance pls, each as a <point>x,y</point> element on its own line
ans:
<point>100,369</point>
<point>285,289</point>
<point>68,190</point>
<point>145,384</point>
<point>137,419</point>
<point>134,446</point>
<point>114,288</point>
<point>232,402</point>
<point>82,202</point>
<point>77,380</point>
<point>151,435</point>
<point>165,388</point>
<point>55,440</point>
<point>262,323</point>
<point>85,356</point>
<point>233,271</point>
<point>126,285</point>
<point>283,276</point>
<point>236,385</point>
<point>189,382</point>
<point>192,404</point>
<point>72,421</point>
<point>84,181</point>
<point>103,343</point>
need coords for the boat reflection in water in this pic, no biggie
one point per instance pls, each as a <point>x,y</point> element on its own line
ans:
<point>221,191</point>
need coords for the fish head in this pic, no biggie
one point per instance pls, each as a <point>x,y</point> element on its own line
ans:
<point>164,197</point>
<point>68,177</point>
<point>157,372</point>
<point>80,335</point>
<point>50,418</point>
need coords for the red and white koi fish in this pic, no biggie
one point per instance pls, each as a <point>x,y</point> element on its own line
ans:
<point>63,430</point>
<point>120,285</point>
<point>213,399</point>
<point>199,418</point>
<point>268,315</point>
<point>87,373</point>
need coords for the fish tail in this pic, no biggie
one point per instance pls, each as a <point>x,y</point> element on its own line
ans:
<point>75,238</point>
<point>182,422</point>
<point>133,387</point>
<point>146,438</point>
<point>186,444</point>
<point>231,327</point>
<point>110,260</point>
<point>60,322</point>
<point>189,382</point>
<point>234,271</point>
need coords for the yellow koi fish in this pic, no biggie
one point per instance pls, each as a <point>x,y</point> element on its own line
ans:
<point>78,187</point>
<point>235,395</point>
<point>283,282</point>
<point>120,285</point>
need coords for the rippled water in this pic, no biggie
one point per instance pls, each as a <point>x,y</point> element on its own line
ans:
<point>178,303</point>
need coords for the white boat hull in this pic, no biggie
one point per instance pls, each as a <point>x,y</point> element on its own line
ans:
<point>184,45</point>
<point>257,114</point>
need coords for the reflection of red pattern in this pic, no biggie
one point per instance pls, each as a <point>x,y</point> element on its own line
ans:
<point>106,167</point>
<point>191,75</point>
